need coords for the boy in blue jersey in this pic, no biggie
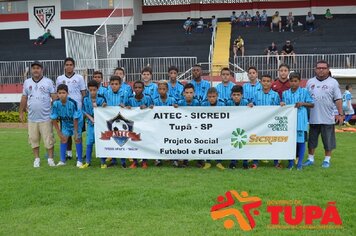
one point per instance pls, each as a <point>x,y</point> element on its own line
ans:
<point>98,77</point>
<point>163,100</point>
<point>188,100</point>
<point>265,97</point>
<point>90,102</point>
<point>200,86</point>
<point>151,88</point>
<point>302,100</point>
<point>224,88</point>
<point>143,101</point>
<point>115,97</point>
<point>125,87</point>
<point>237,99</point>
<point>66,110</point>
<point>213,101</point>
<point>253,85</point>
<point>175,88</point>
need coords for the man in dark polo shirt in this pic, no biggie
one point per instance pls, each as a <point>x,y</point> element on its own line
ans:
<point>288,51</point>
<point>282,83</point>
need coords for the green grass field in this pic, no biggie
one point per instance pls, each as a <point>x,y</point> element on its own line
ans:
<point>159,201</point>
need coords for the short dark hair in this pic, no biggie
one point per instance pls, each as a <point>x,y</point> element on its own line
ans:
<point>163,82</point>
<point>197,65</point>
<point>120,69</point>
<point>237,89</point>
<point>146,69</point>
<point>322,62</point>
<point>294,75</point>
<point>98,73</point>
<point>116,78</point>
<point>252,68</point>
<point>348,86</point>
<point>267,76</point>
<point>62,87</point>
<point>139,82</point>
<point>69,59</point>
<point>93,83</point>
<point>173,68</point>
<point>225,69</point>
<point>189,86</point>
<point>212,90</point>
<point>283,65</point>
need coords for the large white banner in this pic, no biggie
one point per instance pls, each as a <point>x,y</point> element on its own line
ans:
<point>196,132</point>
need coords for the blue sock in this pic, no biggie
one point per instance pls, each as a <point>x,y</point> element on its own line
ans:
<point>208,161</point>
<point>291,163</point>
<point>234,162</point>
<point>88,153</point>
<point>300,151</point>
<point>255,162</point>
<point>123,161</point>
<point>114,161</point>
<point>245,163</point>
<point>218,161</point>
<point>102,161</point>
<point>63,150</point>
<point>79,148</point>
<point>275,162</point>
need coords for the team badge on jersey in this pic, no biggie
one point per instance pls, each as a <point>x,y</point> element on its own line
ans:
<point>120,130</point>
<point>44,15</point>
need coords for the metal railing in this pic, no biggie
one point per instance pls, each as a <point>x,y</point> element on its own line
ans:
<point>14,72</point>
<point>79,45</point>
<point>304,63</point>
<point>211,49</point>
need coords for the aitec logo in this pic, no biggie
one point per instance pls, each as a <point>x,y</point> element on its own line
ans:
<point>121,130</point>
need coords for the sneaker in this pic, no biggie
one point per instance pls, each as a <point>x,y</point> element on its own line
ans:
<point>299,168</point>
<point>144,165</point>
<point>86,165</point>
<point>232,166</point>
<point>133,165</point>
<point>79,164</point>
<point>325,164</point>
<point>61,163</point>
<point>36,163</point>
<point>278,166</point>
<point>103,166</point>
<point>308,163</point>
<point>200,164</point>
<point>254,166</point>
<point>111,165</point>
<point>220,166</point>
<point>158,163</point>
<point>290,167</point>
<point>175,164</point>
<point>348,124</point>
<point>207,166</point>
<point>108,159</point>
<point>123,166</point>
<point>50,162</point>
<point>245,166</point>
<point>68,157</point>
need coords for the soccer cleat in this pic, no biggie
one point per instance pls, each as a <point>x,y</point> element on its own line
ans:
<point>86,165</point>
<point>36,163</point>
<point>220,166</point>
<point>232,166</point>
<point>108,159</point>
<point>254,166</point>
<point>50,162</point>
<point>290,167</point>
<point>133,165</point>
<point>207,166</point>
<point>278,166</point>
<point>79,164</point>
<point>111,165</point>
<point>308,163</point>
<point>325,164</point>
<point>200,164</point>
<point>144,165</point>
<point>123,166</point>
<point>158,163</point>
<point>61,163</point>
<point>245,166</point>
<point>103,166</point>
<point>348,124</point>
<point>299,168</point>
<point>175,164</point>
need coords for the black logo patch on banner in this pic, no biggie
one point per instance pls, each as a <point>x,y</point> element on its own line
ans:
<point>44,15</point>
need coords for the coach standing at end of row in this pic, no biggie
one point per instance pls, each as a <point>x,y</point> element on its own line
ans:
<point>326,94</point>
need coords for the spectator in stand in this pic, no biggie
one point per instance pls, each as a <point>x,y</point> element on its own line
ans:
<point>188,26</point>
<point>257,19</point>
<point>290,21</point>
<point>248,19</point>
<point>288,51</point>
<point>200,25</point>
<point>242,19</point>
<point>233,18</point>
<point>272,51</point>
<point>276,21</point>
<point>264,18</point>
<point>239,46</point>
<point>328,14</point>
<point>43,39</point>
<point>309,22</point>
<point>213,23</point>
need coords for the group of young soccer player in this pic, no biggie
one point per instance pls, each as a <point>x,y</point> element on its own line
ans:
<point>76,102</point>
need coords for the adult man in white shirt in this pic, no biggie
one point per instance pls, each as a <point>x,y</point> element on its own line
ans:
<point>326,94</point>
